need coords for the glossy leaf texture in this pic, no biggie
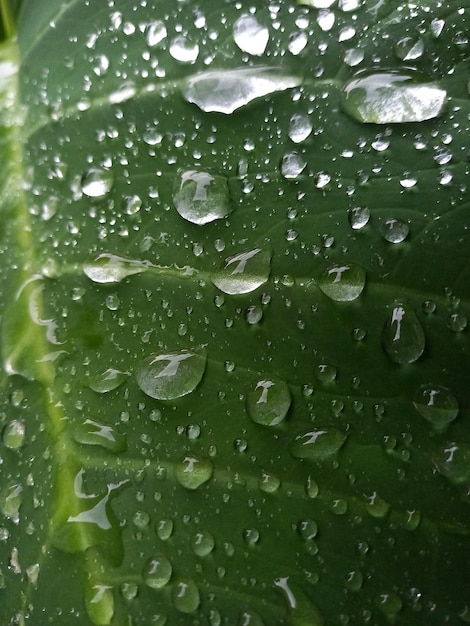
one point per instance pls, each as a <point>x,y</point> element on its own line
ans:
<point>234,301</point>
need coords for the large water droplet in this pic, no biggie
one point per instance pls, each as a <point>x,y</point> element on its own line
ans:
<point>97,183</point>
<point>183,49</point>
<point>318,445</point>
<point>269,403</point>
<point>14,434</point>
<point>392,97</point>
<point>437,405</point>
<point>250,36</point>
<point>95,434</point>
<point>193,471</point>
<point>202,543</point>
<point>99,602</point>
<point>300,128</point>
<point>453,461</point>
<point>343,283</point>
<point>110,268</point>
<point>358,217</point>
<point>155,33</point>
<point>403,336</point>
<point>225,91</point>
<point>170,376</point>
<point>394,231</point>
<point>377,506</point>
<point>185,595</point>
<point>244,272</point>
<point>157,572</point>
<point>108,380</point>
<point>201,197</point>
<point>292,165</point>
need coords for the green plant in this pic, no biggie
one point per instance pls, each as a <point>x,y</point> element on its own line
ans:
<point>235,281</point>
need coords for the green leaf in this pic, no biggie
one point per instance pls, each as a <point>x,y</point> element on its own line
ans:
<point>235,292</point>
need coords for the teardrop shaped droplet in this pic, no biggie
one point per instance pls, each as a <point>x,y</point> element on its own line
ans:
<point>11,499</point>
<point>250,36</point>
<point>170,376</point>
<point>193,471</point>
<point>225,91</point>
<point>202,543</point>
<point>269,402</point>
<point>157,572</point>
<point>244,272</point>
<point>97,183</point>
<point>392,97</point>
<point>453,461</point>
<point>342,283</point>
<point>437,405</point>
<point>110,268</point>
<point>185,595</point>
<point>403,336</point>
<point>95,434</point>
<point>108,380</point>
<point>200,197</point>
<point>318,445</point>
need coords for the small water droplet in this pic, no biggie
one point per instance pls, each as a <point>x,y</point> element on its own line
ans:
<point>14,434</point>
<point>108,380</point>
<point>318,445</point>
<point>185,595</point>
<point>269,402</point>
<point>453,461</point>
<point>342,283</point>
<point>97,183</point>
<point>307,529</point>
<point>292,165</point>
<point>110,268</point>
<point>132,204</point>
<point>300,128</point>
<point>193,471</point>
<point>95,434</point>
<point>326,373</point>
<point>437,405</point>
<point>170,376</point>
<point>376,506</point>
<point>392,97</point>
<point>225,91</point>
<point>251,536</point>
<point>250,36</point>
<point>403,336</point>
<point>157,572</point>
<point>184,49</point>
<point>244,272</point>
<point>457,322</point>
<point>393,231</point>
<point>359,217</point>
<point>164,529</point>
<point>202,543</point>
<point>155,33</point>
<point>200,197</point>
<point>129,590</point>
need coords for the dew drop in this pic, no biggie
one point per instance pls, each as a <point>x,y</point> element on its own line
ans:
<point>343,283</point>
<point>318,445</point>
<point>202,543</point>
<point>300,128</point>
<point>164,529</point>
<point>108,380</point>
<point>394,231</point>
<point>97,183</point>
<point>392,97</point>
<point>183,49</point>
<point>292,165</point>
<point>297,43</point>
<point>200,197</point>
<point>409,49</point>
<point>307,529</point>
<point>95,434</point>
<point>170,376</point>
<point>129,591</point>
<point>250,36</point>
<point>132,204</point>
<point>157,572</point>
<point>14,434</point>
<point>244,272</point>
<point>326,373</point>
<point>453,461</point>
<point>269,402</point>
<point>109,268</point>
<point>437,405</point>
<point>185,595</point>
<point>11,499</point>
<point>193,471</point>
<point>269,483</point>
<point>354,580</point>
<point>403,336</point>
<point>254,314</point>
<point>389,603</point>
<point>225,91</point>
<point>99,602</point>
<point>155,33</point>
<point>376,506</point>
<point>457,322</point>
<point>359,217</point>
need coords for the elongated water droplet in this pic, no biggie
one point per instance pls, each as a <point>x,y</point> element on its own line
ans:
<point>437,405</point>
<point>244,272</point>
<point>453,461</point>
<point>318,445</point>
<point>202,543</point>
<point>99,602</point>
<point>14,434</point>
<point>358,217</point>
<point>200,197</point>
<point>97,183</point>
<point>269,402</point>
<point>95,434</point>
<point>157,572</point>
<point>164,529</point>
<point>403,336</point>
<point>172,375</point>
<point>185,595</point>
<point>225,91</point>
<point>11,499</point>
<point>193,471</point>
<point>110,268</point>
<point>250,36</point>
<point>108,380</point>
<point>343,283</point>
<point>155,33</point>
<point>392,97</point>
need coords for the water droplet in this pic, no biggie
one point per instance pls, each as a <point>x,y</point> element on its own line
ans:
<point>392,97</point>
<point>97,183</point>
<point>155,33</point>
<point>269,402</point>
<point>412,521</point>
<point>354,580</point>
<point>164,529</point>
<point>99,602</point>
<point>453,461</point>
<point>269,483</point>
<point>200,197</point>
<point>409,49</point>
<point>225,91</point>
<point>250,36</point>
<point>14,434</point>
<point>376,506</point>
<point>132,204</point>
<point>403,336</point>
<point>394,231</point>
<point>312,488</point>
<point>292,165</point>
<point>183,49</point>
<point>389,603</point>
<point>109,268</point>
<point>95,434</point>
<point>343,283</point>
<point>437,405</point>
<point>157,572</point>
<point>300,128</point>
<point>326,373</point>
<point>202,543</point>
<point>251,536</point>
<point>129,591</point>
<point>307,529</point>
<point>185,595</point>
<point>11,499</point>
<point>108,380</point>
<point>254,314</point>
<point>244,272</point>
<point>193,471</point>
<point>170,376</point>
<point>457,322</point>
<point>358,217</point>
<point>318,445</point>
<point>297,43</point>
